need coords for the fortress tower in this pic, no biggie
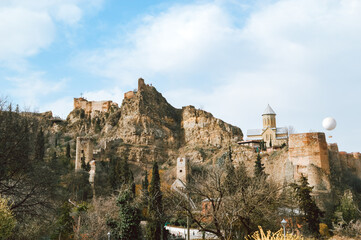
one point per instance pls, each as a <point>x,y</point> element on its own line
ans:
<point>84,150</point>
<point>183,169</point>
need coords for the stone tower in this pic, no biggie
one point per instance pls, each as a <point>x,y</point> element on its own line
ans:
<point>269,118</point>
<point>84,149</point>
<point>183,169</point>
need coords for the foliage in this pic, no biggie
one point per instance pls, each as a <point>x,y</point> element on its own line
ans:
<point>7,219</point>
<point>119,173</point>
<point>155,207</point>
<point>64,223</point>
<point>40,146</point>
<point>347,207</point>
<point>77,185</point>
<point>127,224</point>
<point>307,205</point>
<point>324,231</point>
<point>259,167</point>
<point>28,183</point>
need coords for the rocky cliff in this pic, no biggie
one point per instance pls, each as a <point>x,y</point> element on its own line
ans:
<point>147,128</point>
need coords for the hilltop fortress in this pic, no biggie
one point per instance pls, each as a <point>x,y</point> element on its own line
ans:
<point>147,128</point>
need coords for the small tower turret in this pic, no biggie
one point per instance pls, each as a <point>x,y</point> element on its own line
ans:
<point>269,118</point>
<point>182,169</point>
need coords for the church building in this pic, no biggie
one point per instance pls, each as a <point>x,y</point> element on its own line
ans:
<point>270,133</point>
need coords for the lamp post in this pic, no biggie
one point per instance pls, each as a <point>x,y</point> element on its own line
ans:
<point>108,235</point>
<point>284,222</point>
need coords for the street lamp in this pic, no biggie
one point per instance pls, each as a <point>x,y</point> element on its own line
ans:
<point>284,222</point>
<point>108,235</point>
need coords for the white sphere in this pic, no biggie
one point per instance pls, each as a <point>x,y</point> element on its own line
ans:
<point>329,123</point>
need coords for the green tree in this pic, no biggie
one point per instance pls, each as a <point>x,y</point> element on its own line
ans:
<point>307,205</point>
<point>77,186</point>
<point>259,167</point>
<point>127,225</point>
<point>347,207</point>
<point>119,173</point>
<point>28,183</point>
<point>40,146</point>
<point>7,220</point>
<point>229,183</point>
<point>145,186</point>
<point>64,224</point>
<point>67,153</point>
<point>154,229</point>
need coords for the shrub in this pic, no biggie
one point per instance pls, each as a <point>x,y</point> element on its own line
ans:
<point>7,220</point>
<point>261,235</point>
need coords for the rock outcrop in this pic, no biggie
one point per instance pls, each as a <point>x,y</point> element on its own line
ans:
<point>147,128</point>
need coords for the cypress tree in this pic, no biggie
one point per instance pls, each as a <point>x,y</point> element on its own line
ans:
<point>127,225</point>
<point>155,208</point>
<point>307,205</point>
<point>145,185</point>
<point>40,146</point>
<point>258,167</point>
<point>230,179</point>
<point>67,154</point>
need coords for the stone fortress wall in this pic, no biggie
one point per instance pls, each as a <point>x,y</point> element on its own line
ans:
<point>90,107</point>
<point>311,156</point>
<point>308,153</point>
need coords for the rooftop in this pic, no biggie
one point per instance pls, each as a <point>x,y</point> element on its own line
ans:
<point>268,111</point>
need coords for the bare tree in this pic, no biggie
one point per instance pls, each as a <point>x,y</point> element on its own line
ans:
<point>230,209</point>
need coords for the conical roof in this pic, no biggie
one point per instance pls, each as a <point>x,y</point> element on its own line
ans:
<point>268,111</point>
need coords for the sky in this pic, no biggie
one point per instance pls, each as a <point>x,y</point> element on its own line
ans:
<point>228,57</point>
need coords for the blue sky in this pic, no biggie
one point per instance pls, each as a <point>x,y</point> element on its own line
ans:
<point>228,57</point>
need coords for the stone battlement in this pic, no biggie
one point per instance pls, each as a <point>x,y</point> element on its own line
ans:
<point>141,87</point>
<point>91,106</point>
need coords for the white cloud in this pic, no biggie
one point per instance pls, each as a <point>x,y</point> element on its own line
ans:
<point>68,13</point>
<point>27,27</point>
<point>33,86</point>
<point>24,32</point>
<point>298,55</point>
<point>61,107</point>
<point>114,94</point>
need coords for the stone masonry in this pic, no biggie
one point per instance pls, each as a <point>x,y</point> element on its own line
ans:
<point>91,107</point>
<point>84,150</point>
<point>308,152</point>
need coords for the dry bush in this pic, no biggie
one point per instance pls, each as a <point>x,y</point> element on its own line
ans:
<point>352,229</point>
<point>93,222</point>
<point>261,235</point>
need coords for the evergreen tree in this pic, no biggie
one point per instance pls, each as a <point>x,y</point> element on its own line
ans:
<point>145,185</point>
<point>229,182</point>
<point>307,205</point>
<point>67,154</point>
<point>40,146</point>
<point>64,224</point>
<point>154,228</point>
<point>85,166</point>
<point>56,140</point>
<point>258,167</point>
<point>127,226</point>
<point>119,173</point>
